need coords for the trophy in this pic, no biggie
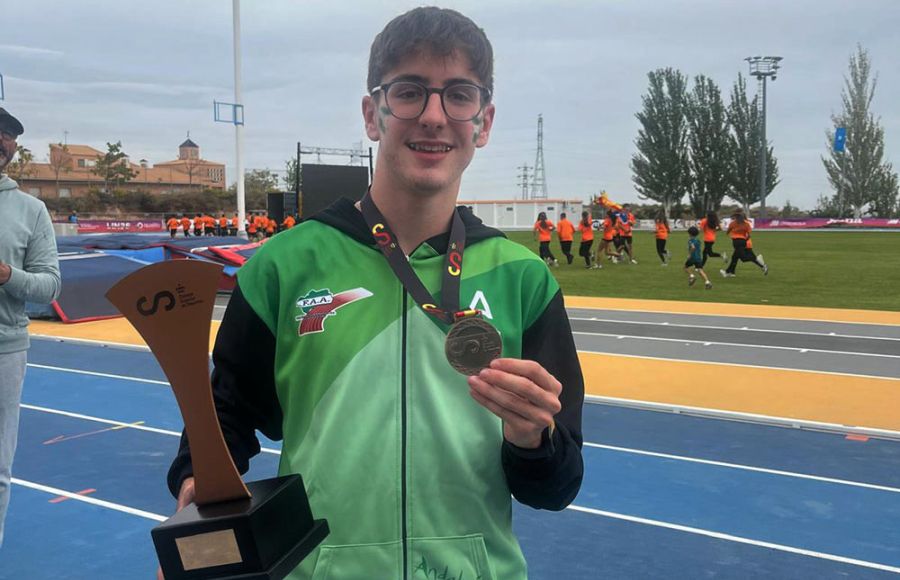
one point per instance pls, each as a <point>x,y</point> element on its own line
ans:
<point>260,530</point>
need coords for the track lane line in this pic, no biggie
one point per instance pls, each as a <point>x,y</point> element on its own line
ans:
<point>736,539</point>
<point>743,328</point>
<point>56,492</point>
<point>743,365</point>
<point>741,344</point>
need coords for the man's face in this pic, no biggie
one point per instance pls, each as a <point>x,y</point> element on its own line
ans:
<point>427,155</point>
<point>7,148</point>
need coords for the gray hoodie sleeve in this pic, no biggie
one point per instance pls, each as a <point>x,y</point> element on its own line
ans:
<point>38,281</point>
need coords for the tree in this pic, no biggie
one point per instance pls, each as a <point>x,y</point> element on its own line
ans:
<point>661,171</point>
<point>290,177</point>
<point>858,175</point>
<point>709,146</point>
<point>257,183</point>
<point>113,166</point>
<point>60,162</point>
<point>746,126</point>
<point>21,167</point>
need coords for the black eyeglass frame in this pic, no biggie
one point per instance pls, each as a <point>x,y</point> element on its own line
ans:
<point>384,88</point>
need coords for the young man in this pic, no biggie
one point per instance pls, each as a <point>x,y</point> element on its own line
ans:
<point>695,259</point>
<point>325,346</point>
<point>29,272</point>
<point>566,232</point>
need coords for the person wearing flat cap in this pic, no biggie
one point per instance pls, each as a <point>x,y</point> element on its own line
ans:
<point>29,272</point>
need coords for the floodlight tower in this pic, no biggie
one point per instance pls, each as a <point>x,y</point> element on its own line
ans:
<point>238,128</point>
<point>763,67</point>
<point>539,181</point>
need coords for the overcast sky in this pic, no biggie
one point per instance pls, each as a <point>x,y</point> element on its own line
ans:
<point>147,72</point>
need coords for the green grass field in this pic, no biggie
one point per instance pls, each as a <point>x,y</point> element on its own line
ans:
<point>823,269</point>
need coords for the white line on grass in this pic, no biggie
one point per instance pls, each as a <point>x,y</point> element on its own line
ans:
<point>741,344</point>
<point>744,467</point>
<point>743,328</point>
<point>737,539</point>
<point>91,500</point>
<point>731,364</point>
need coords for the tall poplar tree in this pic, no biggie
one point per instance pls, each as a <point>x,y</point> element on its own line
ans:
<point>858,174</point>
<point>661,170</point>
<point>709,146</point>
<point>746,126</point>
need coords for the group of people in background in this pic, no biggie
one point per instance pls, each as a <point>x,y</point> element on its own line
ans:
<point>258,225</point>
<point>616,242</point>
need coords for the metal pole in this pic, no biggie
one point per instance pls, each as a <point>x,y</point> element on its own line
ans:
<point>239,127</point>
<point>762,156</point>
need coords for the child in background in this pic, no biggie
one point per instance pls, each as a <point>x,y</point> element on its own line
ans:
<point>662,234</point>
<point>695,259</point>
<point>543,229</point>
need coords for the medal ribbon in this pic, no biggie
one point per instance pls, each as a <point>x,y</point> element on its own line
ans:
<point>449,311</point>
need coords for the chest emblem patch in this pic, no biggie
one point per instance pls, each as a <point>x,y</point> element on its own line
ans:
<point>317,305</point>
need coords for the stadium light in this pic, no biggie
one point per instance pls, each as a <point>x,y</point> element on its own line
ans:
<point>763,67</point>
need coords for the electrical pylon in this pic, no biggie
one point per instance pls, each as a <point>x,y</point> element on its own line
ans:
<point>539,180</point>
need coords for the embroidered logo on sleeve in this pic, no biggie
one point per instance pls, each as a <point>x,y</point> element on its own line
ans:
<point>317,305</point>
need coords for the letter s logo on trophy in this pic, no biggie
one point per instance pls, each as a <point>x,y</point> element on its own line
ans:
<point>259,530</point>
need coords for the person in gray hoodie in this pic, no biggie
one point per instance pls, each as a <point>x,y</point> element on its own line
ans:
<point>29,272</point>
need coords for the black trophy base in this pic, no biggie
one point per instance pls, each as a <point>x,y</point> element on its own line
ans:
<point>264,537</point>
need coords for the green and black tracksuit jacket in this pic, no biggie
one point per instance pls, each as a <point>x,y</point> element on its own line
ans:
<point>322,347</point>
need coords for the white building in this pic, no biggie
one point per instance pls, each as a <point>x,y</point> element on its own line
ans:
<point>520,214</point>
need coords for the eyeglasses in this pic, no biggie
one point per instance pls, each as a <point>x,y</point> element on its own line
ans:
<point>407,100</point>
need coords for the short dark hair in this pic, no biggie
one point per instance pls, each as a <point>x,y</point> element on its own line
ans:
<point>562,215</point>
<point>438,31</point>
<point>693,231</point>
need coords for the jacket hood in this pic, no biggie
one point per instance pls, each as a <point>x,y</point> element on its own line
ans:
<point>344,216</point>
<point>7,183</point>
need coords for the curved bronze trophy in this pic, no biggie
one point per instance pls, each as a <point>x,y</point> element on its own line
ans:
<point>261,530</point>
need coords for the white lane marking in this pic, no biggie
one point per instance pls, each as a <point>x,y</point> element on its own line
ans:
<point>742,365</point>
<point>712,327</point>
<point>745,467</point>
<point>91,500</point>
<point>96,374</point>
<point>118,423</point>
<point>90,342</point>
<point>756,418</point>
<point>741,344</point>
<point>737,539</point>
<point>755,316</point>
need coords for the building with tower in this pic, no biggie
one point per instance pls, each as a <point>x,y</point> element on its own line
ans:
<point>69,172</point>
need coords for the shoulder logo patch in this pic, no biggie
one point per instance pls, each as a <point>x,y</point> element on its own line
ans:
<point>317,305</point>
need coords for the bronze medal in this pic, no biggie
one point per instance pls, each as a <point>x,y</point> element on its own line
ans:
<point>471,345</point>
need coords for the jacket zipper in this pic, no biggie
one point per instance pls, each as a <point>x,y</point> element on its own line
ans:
<point>403,441</point>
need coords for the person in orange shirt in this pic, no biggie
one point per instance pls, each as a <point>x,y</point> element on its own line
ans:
<point>223,226</point>
<point>233,226</point>
<point>739,231</point>
<point>709,225</point>
<point>624,225</point>
<point>566,232</point>
<point>288,222</point>
<point>609,231</point>
<point>252,226</point>
<point>586,229</point>
<point>271,226</point>
<point>186,225</point>
<point>209,225</point>
<point>543,230</point>
<point>172,224</point>
<point>662,234</point>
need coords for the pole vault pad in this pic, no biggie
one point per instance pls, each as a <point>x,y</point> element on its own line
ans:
<point>86,279</point>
